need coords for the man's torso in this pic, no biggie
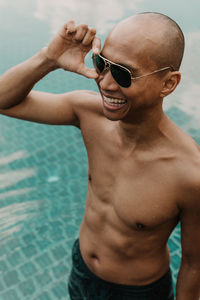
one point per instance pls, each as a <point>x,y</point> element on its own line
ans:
<point>133,200</point>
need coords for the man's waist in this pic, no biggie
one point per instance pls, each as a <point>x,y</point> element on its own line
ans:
<point>119,273</point>
<point>115,266</point>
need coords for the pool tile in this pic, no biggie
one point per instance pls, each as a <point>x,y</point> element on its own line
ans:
<point>3,266</point>
<point>60,270</point>
<point>27,288</point>
<point>43,279</point>
<point>59,252</point>
<point>15,258</point>
<point>43,244</point>
<point>11,278</point>
<point>44,296</point>
<point>10,295</point>
<point>29,250</point>
<point>60,290</point>
<point>28,238</point>
<point>13,244</point>
<point>2,286</point>
<point>28,269</point>
<point>44,260</point>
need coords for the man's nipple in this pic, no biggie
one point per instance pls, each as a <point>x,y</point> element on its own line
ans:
<point>139,226</point>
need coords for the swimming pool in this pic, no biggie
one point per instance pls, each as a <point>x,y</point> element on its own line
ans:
<point>43,177</point>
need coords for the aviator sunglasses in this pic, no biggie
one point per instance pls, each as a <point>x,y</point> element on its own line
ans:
<point>121,74</point>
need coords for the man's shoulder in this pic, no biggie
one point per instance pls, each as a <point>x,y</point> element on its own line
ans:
<point>189,150</point>
<point>85,101</point>
<point>185,145</point>
<point>84,96</point>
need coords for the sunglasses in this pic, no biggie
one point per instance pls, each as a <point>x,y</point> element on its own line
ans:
<point>121,74</point>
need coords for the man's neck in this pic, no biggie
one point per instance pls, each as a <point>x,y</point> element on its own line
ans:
<point>143,127</point>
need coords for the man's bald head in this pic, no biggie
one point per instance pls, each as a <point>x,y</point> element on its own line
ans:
<point>157,35</point>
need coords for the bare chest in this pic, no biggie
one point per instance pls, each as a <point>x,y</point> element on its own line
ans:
<point>143,195</point>
<point>139,187</point>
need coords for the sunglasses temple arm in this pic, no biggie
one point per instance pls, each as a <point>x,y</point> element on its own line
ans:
<point>163,69</point>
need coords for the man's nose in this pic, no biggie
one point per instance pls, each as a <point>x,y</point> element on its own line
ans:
<point>107,82</point>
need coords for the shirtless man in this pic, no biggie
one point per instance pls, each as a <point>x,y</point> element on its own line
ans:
<point>144,171</point>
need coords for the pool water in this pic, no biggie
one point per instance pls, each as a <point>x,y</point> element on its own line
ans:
<point>43,176</point>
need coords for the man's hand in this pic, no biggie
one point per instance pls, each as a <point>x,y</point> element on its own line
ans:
<point>70,46</point>
<point>67,50</point>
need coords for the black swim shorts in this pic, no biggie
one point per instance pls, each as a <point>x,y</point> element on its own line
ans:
<point>84,285</point>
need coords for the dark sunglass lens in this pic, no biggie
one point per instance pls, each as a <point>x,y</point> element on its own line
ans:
<point>121,75</point>
<point>99,63</point>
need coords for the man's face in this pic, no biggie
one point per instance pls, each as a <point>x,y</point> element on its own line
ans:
<point>131,49</point>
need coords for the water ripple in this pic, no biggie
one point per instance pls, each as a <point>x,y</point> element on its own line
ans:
<point>12,157</point>
<point>12,177</point>
<point>13,216</point>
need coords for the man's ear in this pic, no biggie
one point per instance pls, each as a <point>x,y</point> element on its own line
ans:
<point>170,83</point>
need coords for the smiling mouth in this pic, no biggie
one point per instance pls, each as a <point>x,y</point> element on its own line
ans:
<point>113,103</point>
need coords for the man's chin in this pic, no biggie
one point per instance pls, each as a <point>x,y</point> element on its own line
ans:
<point>112,116</point>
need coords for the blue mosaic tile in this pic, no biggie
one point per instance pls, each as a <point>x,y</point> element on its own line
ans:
<point>43,244</point>
<point>13,244</point>
<point>44,260</point>
<point>10,295</point>
<point>3,249</point>
<point>11,278</point>
<point>43,279</point>
<point>60,290</point>
<point>180,117</point>
<point>42,230</point>
<point>58,237</point>
<point>175,261</point>
<point>28,238</point>
<point>60,270</point>
<point>2,287</point>
<point>69,230</point>
<point>44,296</point>
<point>59,252</point>
<point>3,266</point>
<point>27,288</point>
<point>15,258</point>
<point>29,250</point>
<point>28,269</point>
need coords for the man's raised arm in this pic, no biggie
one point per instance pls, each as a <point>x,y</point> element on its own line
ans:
<point>67,50</point>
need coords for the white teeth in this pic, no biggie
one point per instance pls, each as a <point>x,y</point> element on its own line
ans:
<point>114,101</point>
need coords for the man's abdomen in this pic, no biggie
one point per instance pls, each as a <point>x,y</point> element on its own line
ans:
<point>122,259</point>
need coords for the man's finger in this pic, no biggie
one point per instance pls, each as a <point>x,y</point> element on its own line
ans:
<point>90,73</point>
<point>96,45</point>
<point>81,32</point>
<point>87,72</point>
<point>70,26</point>
<point>68,30</point>
<point>89,37</point>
